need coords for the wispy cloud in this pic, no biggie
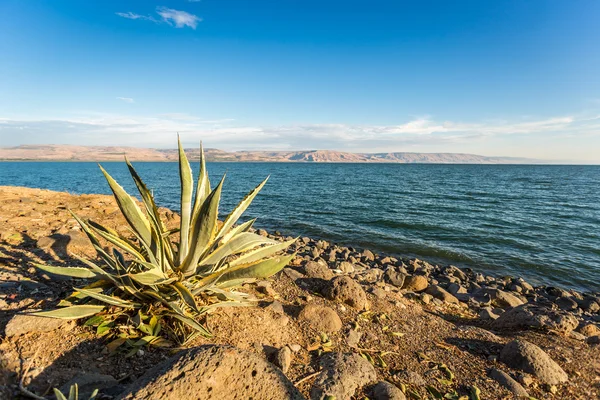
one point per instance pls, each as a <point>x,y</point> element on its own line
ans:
<point>132,15</point>
<point>176,18</point>
<point>126,99</point>
<point>542,138</point>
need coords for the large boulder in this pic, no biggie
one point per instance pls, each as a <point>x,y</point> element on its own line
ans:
<point>213,372</point>
<point>528,316</point>
<point>342,374</point>
<point>320,318</point>
<point>527,357</point>
<point>344,289</point>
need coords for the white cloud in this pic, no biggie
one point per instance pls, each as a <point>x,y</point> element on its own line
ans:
<point>178,18</point>
<point>544,138</point>
<point>126,99</point>
<point>132,15</point>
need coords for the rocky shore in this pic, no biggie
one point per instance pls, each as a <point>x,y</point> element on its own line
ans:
<point>337,321</point>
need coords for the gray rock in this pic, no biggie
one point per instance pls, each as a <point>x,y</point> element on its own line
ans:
<point>590,304</point>
<point>293,274</point>
<point>342,374</point>
<point>441,294</point>
<point>276,306</point>
<point>411,377</point>
<point>295,347</point>
<point>283,359</point>
<point>556,292</point>
<point>386,391</point>
<point>372,275</point>
<point>505,380</point>
<point>317,270</point>
<point>415,283</point>
<point>566,303</point>
<point>321,318</point>
<point>344,289</point>
<point>395,277</point>
<point>500,298</point>
<point>527,357</point>
<point>378,292</point>
<point>487,314</point>
<point>21,324</point>
<point>577,336</point>
<point>593,339</point>
<point>529,316</point>
<point>346,267</point>
<point>218,372</point>
<point>368,255</point>
<point>353,337</point>
<point>455,288</point>
<point>316,253</point>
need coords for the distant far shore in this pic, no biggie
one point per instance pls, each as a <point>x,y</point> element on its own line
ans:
<point>114,153</point>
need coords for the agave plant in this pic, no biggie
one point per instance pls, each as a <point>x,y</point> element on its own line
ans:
<point>151,273</point>
<point>73,393</point>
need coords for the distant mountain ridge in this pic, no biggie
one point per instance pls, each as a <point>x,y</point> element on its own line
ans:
<point>116,153</point>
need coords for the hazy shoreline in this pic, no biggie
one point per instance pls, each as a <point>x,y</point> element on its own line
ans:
<point>117,153</point>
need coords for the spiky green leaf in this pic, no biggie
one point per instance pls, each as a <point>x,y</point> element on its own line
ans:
<point>132,213</point>
<point>204,230</point>
<point>238,244</point>
<point>261,253</point>
<point>112,300</point>
<point>187,186</point>
<point>191,323</point>
<point>237,212</point>
<point>260,270</point>
<point>74,272</point>
<point>72,312</point>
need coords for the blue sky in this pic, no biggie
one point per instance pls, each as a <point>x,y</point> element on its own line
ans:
<point>514,78</point>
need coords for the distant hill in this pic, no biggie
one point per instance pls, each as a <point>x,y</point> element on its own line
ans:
<point>116,153</point>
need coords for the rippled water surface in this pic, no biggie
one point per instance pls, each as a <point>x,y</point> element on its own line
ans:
<point>540,222</point>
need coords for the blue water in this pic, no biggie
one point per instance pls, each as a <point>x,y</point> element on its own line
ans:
<point>539,222</point>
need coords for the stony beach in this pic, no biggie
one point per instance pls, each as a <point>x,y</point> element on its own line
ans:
<point>337,321</point>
